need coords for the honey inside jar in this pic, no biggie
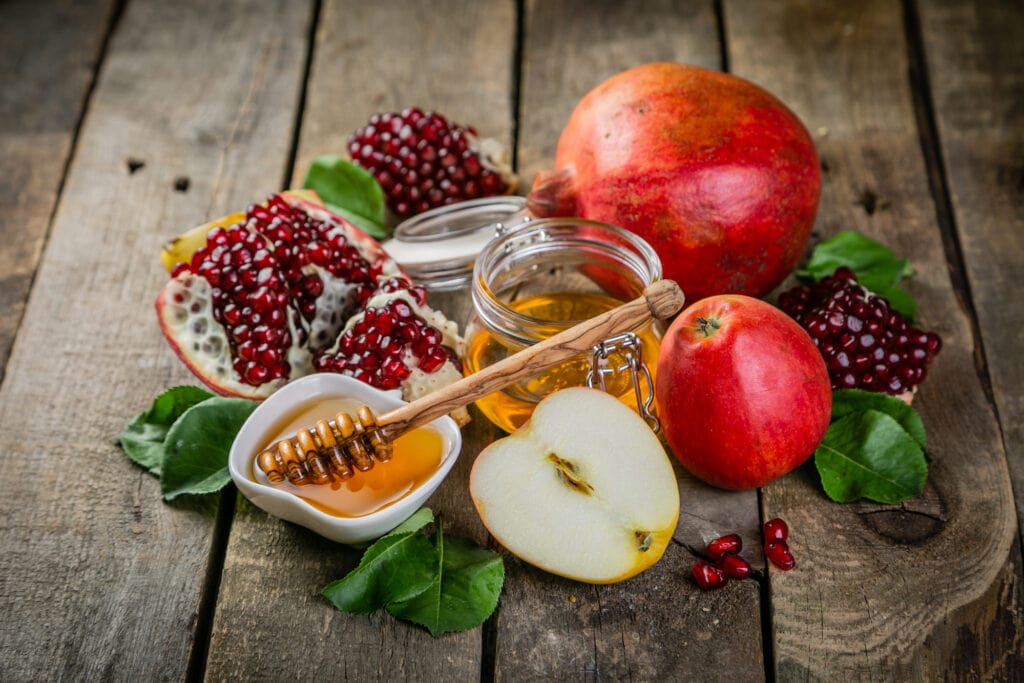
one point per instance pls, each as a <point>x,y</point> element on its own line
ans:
<point>417,455</point>
<point>542,278</point>
<point>512,407</point>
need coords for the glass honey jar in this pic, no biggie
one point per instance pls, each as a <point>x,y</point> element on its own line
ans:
<point>544,276</point>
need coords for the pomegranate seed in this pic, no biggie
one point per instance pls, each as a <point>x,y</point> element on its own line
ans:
<point>434,359</point>
<point>708,576</point>
<point>777,552</point>
<point>776,530</point>
<point>406,332</point>
<point>396,369</point>
<point>724,545</point>
<point>734,566</point>
<point>256,374</point>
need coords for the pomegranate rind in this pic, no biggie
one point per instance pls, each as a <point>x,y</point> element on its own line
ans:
<point>181,248</point>
<point>206,352</point>
<point>494,156</point>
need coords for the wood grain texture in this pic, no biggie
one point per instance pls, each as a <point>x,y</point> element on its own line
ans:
<point>48,56</point>
<point>975,60</point>
<point>457,58</point>
<point>657,625</point>
<point>896,592</point>
<point>102,580</point>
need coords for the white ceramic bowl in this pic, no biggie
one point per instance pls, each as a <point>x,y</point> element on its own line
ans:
<point>257,431</point>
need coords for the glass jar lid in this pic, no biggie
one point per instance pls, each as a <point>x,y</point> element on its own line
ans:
<point>438,248</point>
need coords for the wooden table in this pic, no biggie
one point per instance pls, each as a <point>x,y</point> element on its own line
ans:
<point>124,122</point>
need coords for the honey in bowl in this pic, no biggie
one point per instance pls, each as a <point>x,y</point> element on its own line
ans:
<point>512,407</point>
<point>417,455</point>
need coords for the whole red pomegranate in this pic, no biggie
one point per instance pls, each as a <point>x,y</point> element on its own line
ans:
<point>715,173</point>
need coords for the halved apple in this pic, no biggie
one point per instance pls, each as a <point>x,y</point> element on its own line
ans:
<point>584,489</point>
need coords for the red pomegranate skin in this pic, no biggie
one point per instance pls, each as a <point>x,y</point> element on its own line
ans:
<point>744,396</point>
<point>718,175</point>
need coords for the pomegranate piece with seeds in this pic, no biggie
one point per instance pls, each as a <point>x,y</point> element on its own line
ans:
<point>396,339</point>
<point>422,160</point>
<point>865,343</point>
<point>271,294</point>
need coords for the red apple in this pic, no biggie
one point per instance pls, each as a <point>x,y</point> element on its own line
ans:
<point>743,394</point>
<point>714,172</point>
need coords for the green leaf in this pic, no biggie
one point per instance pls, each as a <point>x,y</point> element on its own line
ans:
<point>143,439</point>
<point>869,455</point>
<point>848,401</point>
<point>416,521</point>
<point>197,446</point>
<point>396,567</point>
<point>877,268</point>
<point>465,592</point>
<point>875,265</point>
<point>349,191</point>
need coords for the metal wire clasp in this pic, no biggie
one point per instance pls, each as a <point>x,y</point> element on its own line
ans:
<point>630,347</point>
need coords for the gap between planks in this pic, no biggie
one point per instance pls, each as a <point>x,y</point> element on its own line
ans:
<point>207,608</point>
<point>101,54</point>
<point>938,184</point>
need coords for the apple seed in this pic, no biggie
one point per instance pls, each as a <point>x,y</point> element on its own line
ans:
<point>568,475</point>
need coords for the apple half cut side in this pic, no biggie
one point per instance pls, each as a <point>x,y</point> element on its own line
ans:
<point>584,490</point>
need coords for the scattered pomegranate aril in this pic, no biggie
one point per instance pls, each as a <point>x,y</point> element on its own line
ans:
<point>724,545</point>
<point>777,552</point>
<point>734,566</point>
<point>422,160</point>
<point>865,343</point>
<point>708,576</point>
<point>776,530</point>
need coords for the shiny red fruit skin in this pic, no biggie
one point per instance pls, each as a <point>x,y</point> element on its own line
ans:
<point>708,576</point>
<point>776,530</point>
<point>734,566</point>
<point>718,175</point>
<point>724,545</point>
<point>744,397</point>
<point>778,554</point>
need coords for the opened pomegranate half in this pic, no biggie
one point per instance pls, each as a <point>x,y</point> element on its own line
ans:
<point>289,288</point>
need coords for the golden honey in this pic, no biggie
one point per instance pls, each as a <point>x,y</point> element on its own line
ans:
<point>512,407</point>
<point>417,455</point>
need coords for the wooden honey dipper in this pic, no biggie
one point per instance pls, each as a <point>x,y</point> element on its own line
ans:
<point>333,450</point>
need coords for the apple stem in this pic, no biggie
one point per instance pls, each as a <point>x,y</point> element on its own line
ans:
<point>706,326</point>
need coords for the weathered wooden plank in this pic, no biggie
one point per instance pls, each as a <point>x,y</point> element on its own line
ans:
<point>929,588</point>
<point>975,61</point>
<point>457,58</point>
<point>100,579</point>
<point>657,625</point>
<point>48,56</point>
